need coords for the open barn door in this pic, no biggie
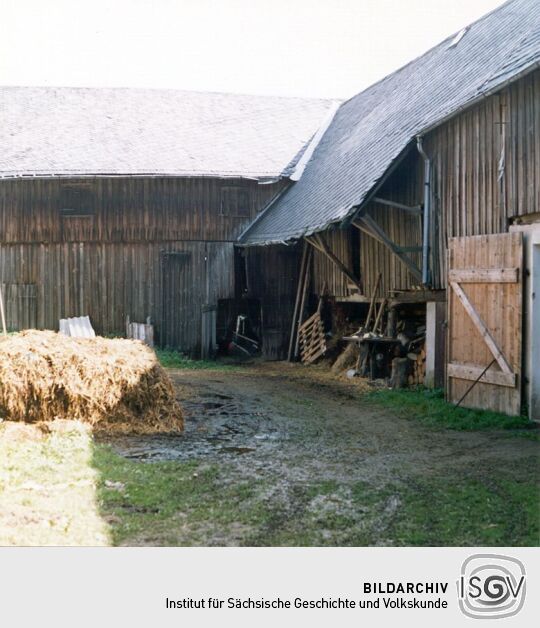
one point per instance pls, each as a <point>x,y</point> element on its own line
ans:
<point>485,321</point>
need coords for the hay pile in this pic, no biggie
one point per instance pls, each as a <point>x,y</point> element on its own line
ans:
<point>347,358</point>
<point>113,384</point>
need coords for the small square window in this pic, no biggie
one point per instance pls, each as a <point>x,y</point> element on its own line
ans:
<point>235,202</point>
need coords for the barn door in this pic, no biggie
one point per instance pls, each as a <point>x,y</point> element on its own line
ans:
<point>485,321</point>
<point>178,300</point>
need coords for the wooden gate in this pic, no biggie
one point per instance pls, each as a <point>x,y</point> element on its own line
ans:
<point>485,321</point>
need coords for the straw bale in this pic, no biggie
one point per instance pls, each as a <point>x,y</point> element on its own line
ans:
<point>113,384</point>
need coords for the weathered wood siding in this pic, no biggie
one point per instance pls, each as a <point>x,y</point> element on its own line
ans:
<point>325,273</point>
<point>487,166</point>
<point>125,210</point>
<point>112,263</point>
<point>110,281</point>
<point>403,228</point>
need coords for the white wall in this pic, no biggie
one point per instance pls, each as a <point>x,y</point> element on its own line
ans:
<point>531,322</point>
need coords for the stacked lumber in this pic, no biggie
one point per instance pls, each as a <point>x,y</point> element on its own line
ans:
<point>418,371</point>
<point>311,337</point>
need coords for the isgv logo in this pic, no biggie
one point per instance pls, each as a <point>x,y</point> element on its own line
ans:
<point>491,586</point>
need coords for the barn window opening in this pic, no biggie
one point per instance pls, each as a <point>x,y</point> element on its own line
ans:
<point>76,202</point>
<point>235,202</point>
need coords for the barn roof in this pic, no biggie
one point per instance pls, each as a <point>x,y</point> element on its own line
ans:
<point>46,131</point>
<point>370,131</point>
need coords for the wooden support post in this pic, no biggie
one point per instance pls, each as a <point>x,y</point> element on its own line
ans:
<point>294,324</point>
<point>303,302</point>
<point>391,323</point>
<point>372,302</point>
<point>379,316</point>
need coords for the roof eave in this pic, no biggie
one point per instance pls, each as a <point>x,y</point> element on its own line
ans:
<point>259,178</point>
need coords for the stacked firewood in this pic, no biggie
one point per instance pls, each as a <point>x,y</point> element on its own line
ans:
<point>418,369</point>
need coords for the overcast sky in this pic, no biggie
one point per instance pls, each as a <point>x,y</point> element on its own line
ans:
<point>320,48</point>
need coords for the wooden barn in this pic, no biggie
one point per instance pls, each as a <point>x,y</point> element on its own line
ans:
<point>425,193</point>
<point>119,203</point>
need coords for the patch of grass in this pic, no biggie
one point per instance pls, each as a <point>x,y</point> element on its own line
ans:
<point>468,512</point>
<point>188,503</point>
<point>48,486</point>
<point>430,407</point>
<point>176,360</point>
<point>171,503</point>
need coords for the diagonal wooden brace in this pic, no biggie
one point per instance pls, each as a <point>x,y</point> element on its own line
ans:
<point>482,328</point>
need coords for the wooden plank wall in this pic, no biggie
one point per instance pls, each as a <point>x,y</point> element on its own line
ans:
<point>326,272</point>
<point>487,165</point>
<point>126,210</point>
<point>110,265</point>
<point>403,228</point>
<point>21,305</point>
<point>110,281</point>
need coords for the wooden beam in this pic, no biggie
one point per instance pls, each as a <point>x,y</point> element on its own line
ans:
<point>365,230</point>
<point>311,240</point>
<point>472,373</point>
<point>413,209</point>
<point>482,328</point>
<point>292,339</point>
<point>376,231</point>
<point>410,249</point>
<point>372,302</point>
<point>416,296</point>
<point>307,279</point>
<point>484,275</point>
<point>318,242</point>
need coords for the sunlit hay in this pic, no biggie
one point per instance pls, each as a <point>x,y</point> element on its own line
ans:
<point>115,385</point>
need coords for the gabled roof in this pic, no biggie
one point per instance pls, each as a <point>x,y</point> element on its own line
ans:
<point>47,131</point>
<point>370,131</point>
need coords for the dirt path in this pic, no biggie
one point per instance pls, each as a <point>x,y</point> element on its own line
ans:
<point>294,424</point>
<point>292,432</point>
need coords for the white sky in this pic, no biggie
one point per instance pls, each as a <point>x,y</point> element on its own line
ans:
<point>327,48</point>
